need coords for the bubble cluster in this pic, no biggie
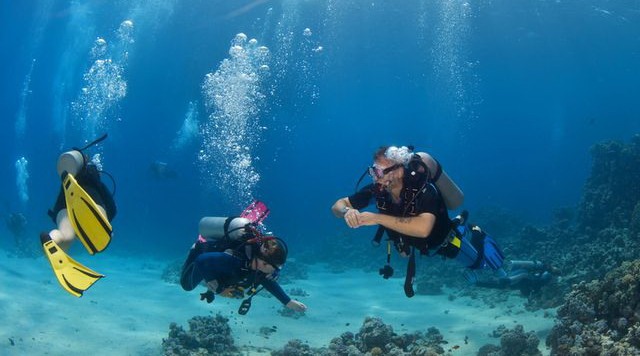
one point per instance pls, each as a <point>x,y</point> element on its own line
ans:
<point>99,48</point>
<point>189,129</point>
<point>22,175</point>
<point>104,83</point>
<point>233,96</point>
<point>21,117</point>
<point>449,57</point>
<point>96,159</point>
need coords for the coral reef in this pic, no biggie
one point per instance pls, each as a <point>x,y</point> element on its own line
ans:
<point>295,347</point>
<point>374,338</point>
<point>601,317</point>
<point>290,313</point>
<point>612,191</point>
<point>207,335</point>
<point>602,234</point>
<point>512,342</point>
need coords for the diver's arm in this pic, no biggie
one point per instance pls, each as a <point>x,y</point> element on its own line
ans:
<point>274,288</point>
<point>419,226</point>
<point>296,305</point>
<point>341,206</point>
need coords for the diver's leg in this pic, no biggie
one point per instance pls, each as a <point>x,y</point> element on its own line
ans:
<point>516,277</point>
<point>529,265</point>
<point>190,276</point>
<point>63,235</point>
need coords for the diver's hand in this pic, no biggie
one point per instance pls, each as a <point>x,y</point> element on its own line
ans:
<point>352,218</point>
<point>296,305</point>
<point>367,219</point>
<point>212,285</point>
<point>209,296</point>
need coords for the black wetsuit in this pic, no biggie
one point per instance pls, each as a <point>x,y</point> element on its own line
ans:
<point>89,179</point>
<point>229,269</point>
<point>427,200</point>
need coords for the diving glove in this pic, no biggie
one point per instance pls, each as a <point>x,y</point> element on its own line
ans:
<point>209,296</point>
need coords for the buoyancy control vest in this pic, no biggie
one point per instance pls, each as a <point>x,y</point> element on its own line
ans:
<point>417,180</point>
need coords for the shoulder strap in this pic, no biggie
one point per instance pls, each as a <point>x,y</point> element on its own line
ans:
<point>438,171</point>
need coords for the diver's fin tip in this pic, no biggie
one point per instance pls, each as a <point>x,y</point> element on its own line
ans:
<point>74,277</point>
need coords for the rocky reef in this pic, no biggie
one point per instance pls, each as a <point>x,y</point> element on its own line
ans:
<point>212,336</point>
<point>512,342</point>
<point>612,193</point>
<point>604,232</point>
<point>581,243</point>
<point>601,317</point>
<point>207,335</point>
<point>375,338</point>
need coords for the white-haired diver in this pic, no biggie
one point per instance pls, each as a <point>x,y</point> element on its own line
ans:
<point>413,194</point>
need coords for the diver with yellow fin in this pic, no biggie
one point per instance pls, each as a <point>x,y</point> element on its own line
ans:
<point>84,208</point>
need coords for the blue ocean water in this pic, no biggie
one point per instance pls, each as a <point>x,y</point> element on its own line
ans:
<point>509,96</point>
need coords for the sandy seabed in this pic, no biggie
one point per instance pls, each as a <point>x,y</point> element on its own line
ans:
<point>129,311</point>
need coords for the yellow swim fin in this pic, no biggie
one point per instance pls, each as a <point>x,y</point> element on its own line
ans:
<point>73,276</point>
<point>90,224</point>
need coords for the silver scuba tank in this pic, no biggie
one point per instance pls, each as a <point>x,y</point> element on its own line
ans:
<point>71,162</point>
<point>215,227</point>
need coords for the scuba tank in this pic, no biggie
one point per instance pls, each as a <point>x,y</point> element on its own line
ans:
<point>215,227</point>
<point>71,162</point>
<point>76,163</point>
<point>451,193</point>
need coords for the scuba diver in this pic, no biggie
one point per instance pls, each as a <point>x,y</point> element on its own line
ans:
<point>17,224</point>
<point>413,195</point>
<point>233,257</point>
<point>162,170</point>
<point>526,276</point>
<point>84,209</point>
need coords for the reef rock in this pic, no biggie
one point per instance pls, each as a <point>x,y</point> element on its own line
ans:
<point>207,335</point>
<point>375,338</point>
<point>601,317</point>
<point>612,191</point>
<point>513,342</point>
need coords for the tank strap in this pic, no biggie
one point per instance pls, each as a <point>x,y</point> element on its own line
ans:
<point>438,171</point>
<point>225,227</point>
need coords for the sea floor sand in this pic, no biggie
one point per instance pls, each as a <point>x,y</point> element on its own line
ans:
<point>129,311</point>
